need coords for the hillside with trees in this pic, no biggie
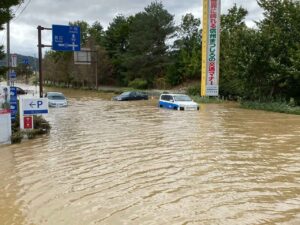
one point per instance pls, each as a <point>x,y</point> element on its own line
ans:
<point>148,50</point>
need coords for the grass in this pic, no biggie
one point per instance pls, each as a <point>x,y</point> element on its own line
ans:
<point>281,107</point>
<point>207,100</point>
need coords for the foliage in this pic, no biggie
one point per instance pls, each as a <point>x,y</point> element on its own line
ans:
<point>281,107</point>
<point>5,16</point>
<point>138,84</point>
<point>187,51</point>
<point>207,100</point>
<point>116,43</point>
<point>16,137</point>
<point>41,126</point>
<point>147,50</point>
<point>147,57</point>
<point>193,90</point>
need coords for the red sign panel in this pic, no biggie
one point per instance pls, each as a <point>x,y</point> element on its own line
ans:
<point>28,122</point>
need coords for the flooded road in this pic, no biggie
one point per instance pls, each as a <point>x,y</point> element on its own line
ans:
<point>108,162</point>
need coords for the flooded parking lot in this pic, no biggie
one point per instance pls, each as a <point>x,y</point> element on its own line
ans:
<point>109,162</point>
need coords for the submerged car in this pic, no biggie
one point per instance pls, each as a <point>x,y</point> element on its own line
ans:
<point>131,95</point>
<point>20,91</point>
<point>56,99</point>
<point>177,102</point>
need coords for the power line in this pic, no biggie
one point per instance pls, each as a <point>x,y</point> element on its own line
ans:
<point>17,9</point>
<point>22,10</point>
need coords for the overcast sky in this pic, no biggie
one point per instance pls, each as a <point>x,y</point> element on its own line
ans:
<point>47,12</point>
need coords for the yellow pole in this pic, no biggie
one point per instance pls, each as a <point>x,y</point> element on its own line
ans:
<point>204,47</point>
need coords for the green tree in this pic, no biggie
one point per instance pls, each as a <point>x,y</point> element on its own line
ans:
<point>147,56</point>
<point>116,44</point>
<point>84,30</point>
<point>5,16</point>
<point>280,34</point>
<point>236,51</point>
<point>96,32</point>
<point>187,51</point>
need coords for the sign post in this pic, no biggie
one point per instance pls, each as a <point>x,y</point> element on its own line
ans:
<point>30,107</point>
<point>210,47</point>
<point>64,38</point>
<point>14,61</point>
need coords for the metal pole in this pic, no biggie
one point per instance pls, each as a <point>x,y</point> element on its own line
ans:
<point>8,54</point>
<point>40,28</point>
<point>96,70</point>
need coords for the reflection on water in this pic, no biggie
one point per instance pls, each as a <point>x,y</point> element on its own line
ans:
<point>108,162</point>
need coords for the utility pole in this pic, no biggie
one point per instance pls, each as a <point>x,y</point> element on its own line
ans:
<point>8,53</point>
<point>40,46</point>
<point>40,28</point>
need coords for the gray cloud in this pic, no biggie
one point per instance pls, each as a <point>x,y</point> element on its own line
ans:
<point>48,12</point>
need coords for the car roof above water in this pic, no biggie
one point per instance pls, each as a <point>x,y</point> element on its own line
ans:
<point>52,93</point>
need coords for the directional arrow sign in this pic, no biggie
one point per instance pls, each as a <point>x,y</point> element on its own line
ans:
<point>33,106</point>
<point>65,38</point>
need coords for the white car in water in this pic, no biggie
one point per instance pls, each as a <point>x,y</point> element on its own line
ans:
<point>177,102</point>
<point>56,99</point>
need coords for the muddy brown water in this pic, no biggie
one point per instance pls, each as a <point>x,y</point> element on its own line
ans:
<point>108,162</point>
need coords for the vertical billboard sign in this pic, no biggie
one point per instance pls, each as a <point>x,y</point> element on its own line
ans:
<point>5,120</point>
<point>14,60</point>
<point>210,47</point>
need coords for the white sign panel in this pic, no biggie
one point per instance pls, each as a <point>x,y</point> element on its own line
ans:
<point>83,56</point>
<point>5,120</point>
<point>34,106</point>
<point>14,61</point>
<point>213,48</point>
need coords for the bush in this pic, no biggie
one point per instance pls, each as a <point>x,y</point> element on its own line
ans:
<point>193,90</point>
<point>16,137</point>
<point>41,125</point>
<point>138,84</point>
<point>281,107</point>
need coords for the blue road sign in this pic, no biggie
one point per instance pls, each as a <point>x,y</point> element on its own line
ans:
<point>26,61</point>
<point>13,103</point>
<point>13,110</point>
<point>65,38</point>
<point>13,94</point>
<point>13,75</point>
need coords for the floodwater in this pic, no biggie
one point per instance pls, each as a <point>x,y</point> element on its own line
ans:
<point>114,163</point>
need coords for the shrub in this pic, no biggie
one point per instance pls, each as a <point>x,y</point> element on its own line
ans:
<point>16,137</point>
<point>193,90</point>
<point>138,83</point>
<point>41,125</point>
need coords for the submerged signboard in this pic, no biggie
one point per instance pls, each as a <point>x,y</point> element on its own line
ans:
<point>210,47</point>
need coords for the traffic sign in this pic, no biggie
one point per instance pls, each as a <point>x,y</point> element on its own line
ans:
<point>28,122</point>
<point>13,75</point>
<point>65,38</point>
<point>13,110</point>
<point>13,94</point>
<point>13,103</point>
<point>14,60</point>
<point>34,106</point>
<point>25,61</point>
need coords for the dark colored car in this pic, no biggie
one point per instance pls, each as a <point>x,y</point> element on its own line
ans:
<point>20,91</point>
<point>131,95</point>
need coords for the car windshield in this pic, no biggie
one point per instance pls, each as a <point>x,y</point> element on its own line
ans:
<point>182,98</point>
<point>125,93</point>
<point>56,97</point>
